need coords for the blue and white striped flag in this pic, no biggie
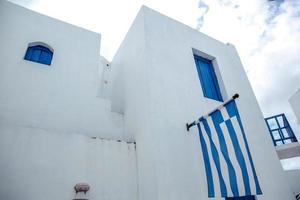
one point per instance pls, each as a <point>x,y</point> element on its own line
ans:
<point>229,167</point>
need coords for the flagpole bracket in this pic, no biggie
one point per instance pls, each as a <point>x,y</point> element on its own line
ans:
<point>188,126</point>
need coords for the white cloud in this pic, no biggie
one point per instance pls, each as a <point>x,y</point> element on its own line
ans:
<point>203,7</point>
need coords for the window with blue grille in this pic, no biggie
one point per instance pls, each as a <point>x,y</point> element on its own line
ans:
<point>280,130</point>
<point>250,197</point>
<point>40,54</point>
<point>208,78</point>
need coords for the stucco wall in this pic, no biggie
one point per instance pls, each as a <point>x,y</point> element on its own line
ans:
<point>130,95</point>
<point>162,92</point>
<point>295,103</point>
<point>294,180</point>
<point>50,115</point>
<point>41,164</point>
<point>59,97</point>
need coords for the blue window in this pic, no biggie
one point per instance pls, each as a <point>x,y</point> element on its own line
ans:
<point>280,130</point>
<point>250,197</point>
<point>39,54</point>
<point>208,78</point>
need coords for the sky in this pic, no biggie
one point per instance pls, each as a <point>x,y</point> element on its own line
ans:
<point>266,34</point>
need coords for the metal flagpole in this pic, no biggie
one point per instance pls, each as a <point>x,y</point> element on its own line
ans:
<point>188,126</point>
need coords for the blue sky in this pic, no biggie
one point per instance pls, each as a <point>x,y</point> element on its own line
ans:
<point>265,33</point>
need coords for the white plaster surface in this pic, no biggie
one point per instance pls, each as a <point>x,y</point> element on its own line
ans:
<point>160,91</point>
<point>49,114</point>
<point>41,164</point>
<point>294,180</point>
<point>62,96</point>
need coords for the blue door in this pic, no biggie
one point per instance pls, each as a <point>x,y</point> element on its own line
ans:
<point>208,78</point>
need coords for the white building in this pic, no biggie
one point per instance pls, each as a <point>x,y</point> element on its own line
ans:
<point>119,126</point>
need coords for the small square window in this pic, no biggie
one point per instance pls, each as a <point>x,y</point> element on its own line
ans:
<point>280,121</point>
<point>273,124</point>
<point>285,133</point>
<point>276,135</point>
<point>287,141</point>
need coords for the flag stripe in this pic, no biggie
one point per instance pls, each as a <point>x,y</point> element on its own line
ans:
<point>211,183</point>
<point>240,153</point>
<point>225,171</point>
<point>217,183</point>
<point>239,124</point>
<point>228,164</point>
<point>217,161</point>
<point>233,111</point>
<point>235,162</point>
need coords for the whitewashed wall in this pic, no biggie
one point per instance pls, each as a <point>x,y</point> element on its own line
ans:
<point>39,164</point>
<point>294,180</point>
<point>49,115</point>
<point>62,96</point>
<point>161,92</point>
<point>130,95</point>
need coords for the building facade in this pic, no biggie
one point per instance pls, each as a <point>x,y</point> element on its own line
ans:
<point>119,126</point>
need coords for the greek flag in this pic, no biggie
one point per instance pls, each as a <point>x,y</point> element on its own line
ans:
<point>228,164</point>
